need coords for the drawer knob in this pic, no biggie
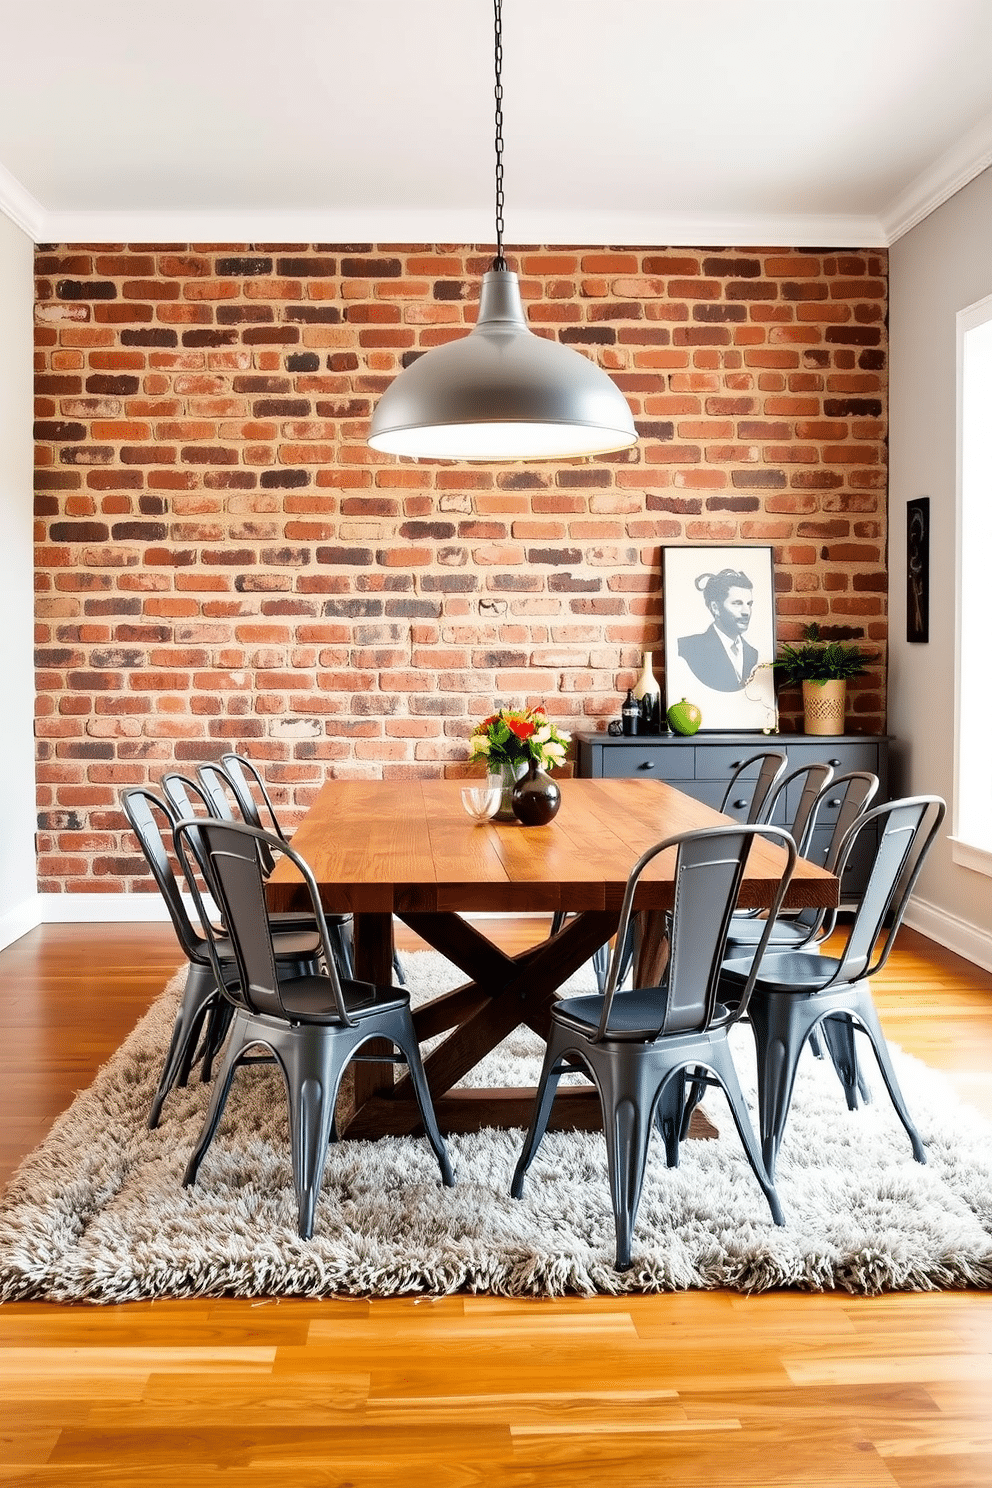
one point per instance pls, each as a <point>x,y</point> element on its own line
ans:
<point>739,805</point>
<point>646,765</point>
<point>835,763</point>
<point>834,805</point>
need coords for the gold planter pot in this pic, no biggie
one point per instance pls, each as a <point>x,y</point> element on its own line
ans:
<point>823,706</point>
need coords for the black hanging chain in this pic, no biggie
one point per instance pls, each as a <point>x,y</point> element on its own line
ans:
<point>499,262</point>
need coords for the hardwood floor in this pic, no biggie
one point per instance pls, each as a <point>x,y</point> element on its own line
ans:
<point>776,1391</point>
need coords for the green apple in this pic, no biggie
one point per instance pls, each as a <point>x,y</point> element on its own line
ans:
<point>684,718</point>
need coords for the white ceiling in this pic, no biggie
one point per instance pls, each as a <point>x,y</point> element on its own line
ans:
<point>627,121</point>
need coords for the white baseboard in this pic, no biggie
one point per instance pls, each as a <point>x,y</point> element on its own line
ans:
<point>19,920</point>
<point>973,942</point>
<point>77,909</point>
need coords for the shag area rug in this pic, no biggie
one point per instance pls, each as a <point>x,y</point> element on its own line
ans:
<point>98,1213</point>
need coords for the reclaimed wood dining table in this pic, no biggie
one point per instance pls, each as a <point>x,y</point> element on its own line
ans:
<point>408,848</point>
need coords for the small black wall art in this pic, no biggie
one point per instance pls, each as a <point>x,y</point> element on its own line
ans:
<point>918,569</point>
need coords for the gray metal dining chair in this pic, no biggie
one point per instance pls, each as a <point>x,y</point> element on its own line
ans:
<point>208,796</point>
<point>792,993</point>
<point>751,800</point>
<point>313,1025</point>
<point>203,1016</point>
<point>639,1046</point>
<point>244,780</point>
<point>847,797</point>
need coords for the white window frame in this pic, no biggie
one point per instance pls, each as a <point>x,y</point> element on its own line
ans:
<point>971,837</point>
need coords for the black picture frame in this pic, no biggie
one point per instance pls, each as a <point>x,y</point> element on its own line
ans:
<point>699,663</point>
<point>918,569</point>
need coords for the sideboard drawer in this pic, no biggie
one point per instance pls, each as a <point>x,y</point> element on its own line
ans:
<point>719,761</point>
<point>624,764</point>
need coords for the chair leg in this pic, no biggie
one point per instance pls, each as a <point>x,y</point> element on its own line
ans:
<point>726,1072</point>
<point>200,991</point>
<point>628,1104</point>
<point>693,1090</point>
<point>838,1035</point>
<point>780,1024</point>
<point>312,1067</point>
<point>218,1024</point>
<point>418,1079</point>
<point>218,1097</point>
<point>547,1089</point>
<point>670,1116</point>
<point>864,1011</point>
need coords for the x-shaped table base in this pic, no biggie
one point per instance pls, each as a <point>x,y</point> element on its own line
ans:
<point>504,991</point>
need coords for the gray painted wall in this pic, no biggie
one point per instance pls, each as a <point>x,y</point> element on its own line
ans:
<point>942,266</point>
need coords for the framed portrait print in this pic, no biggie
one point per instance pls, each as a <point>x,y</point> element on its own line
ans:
<point>918,569</point>
<point>720,634</point>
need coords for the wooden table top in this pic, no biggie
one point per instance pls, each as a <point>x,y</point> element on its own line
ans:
<point>408,847</point>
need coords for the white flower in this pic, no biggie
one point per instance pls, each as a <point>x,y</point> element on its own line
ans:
<point>479,744</point>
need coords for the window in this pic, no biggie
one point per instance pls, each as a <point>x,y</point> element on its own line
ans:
<point>972,831</point>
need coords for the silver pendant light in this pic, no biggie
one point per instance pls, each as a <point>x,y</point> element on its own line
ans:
<point>501,393</point>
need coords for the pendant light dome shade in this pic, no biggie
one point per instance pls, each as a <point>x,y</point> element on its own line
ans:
<point>501,393</point>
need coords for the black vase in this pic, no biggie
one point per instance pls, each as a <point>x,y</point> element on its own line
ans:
<point>536,798</point>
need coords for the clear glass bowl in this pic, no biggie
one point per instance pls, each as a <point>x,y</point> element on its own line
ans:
<point>481,801</point>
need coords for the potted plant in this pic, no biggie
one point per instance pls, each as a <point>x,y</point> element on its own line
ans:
<point>822,667</point>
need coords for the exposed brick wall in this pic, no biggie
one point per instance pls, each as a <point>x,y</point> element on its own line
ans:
<point>222,561</point>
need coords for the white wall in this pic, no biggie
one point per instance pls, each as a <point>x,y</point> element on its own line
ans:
<point>937,269</point>
<point>18,898</point>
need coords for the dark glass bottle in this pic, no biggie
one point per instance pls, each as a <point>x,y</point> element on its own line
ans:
<point>630,714</point>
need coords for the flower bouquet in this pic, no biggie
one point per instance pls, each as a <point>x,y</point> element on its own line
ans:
<point>511,741</point>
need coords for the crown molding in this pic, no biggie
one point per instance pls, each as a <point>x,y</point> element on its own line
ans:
<point>965,160</point>
<point>20,206</point>
<point>590,227</point>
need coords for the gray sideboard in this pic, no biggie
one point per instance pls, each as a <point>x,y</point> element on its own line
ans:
<point>702,764</point>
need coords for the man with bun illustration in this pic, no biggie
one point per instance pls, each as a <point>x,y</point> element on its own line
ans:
<point>720,657</point>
